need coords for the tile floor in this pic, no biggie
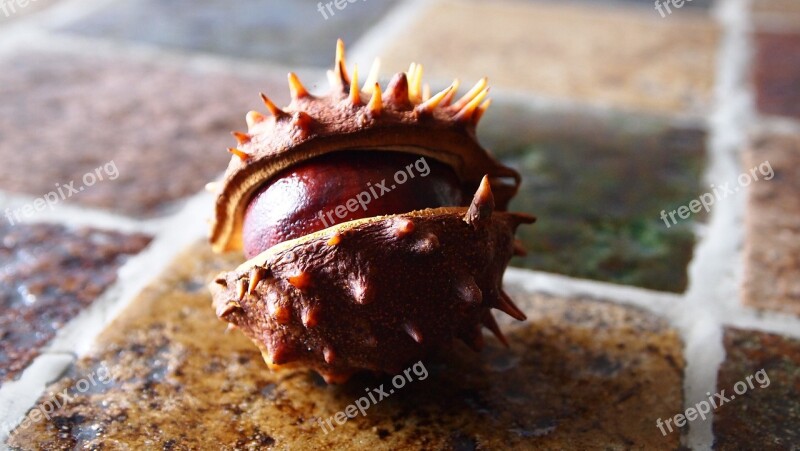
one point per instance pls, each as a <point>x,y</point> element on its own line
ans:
<point>115,114</point>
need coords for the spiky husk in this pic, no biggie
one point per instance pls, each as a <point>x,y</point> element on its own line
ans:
<point>399,119</point>
<point>373,294</point>
<point>376,293</point>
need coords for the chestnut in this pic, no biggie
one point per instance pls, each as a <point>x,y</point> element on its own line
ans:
<point>340,187</point>
<point>373,224</point>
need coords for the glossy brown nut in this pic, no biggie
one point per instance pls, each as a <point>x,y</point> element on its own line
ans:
<point>341,187</point>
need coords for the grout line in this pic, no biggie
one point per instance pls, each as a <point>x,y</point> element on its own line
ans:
<point>777,125</point>
<point>78,216</point>
<point>784,324</point>
<point>68,43</point>
<point>657,302</point>
<point>715,271</point>
<point>63,12</point>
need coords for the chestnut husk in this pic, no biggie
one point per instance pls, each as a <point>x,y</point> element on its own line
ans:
<point>381,292</point>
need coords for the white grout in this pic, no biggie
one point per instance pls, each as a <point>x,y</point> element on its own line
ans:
<point>555,284</point>
<point>716,268</point>
<point>73,215</point>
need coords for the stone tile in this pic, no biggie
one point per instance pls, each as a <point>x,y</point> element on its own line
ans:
<point>777,73</point>
<point>294,33</point>
<point>573,371</point>
<point>49,275</point>
<point>626,58</point>
<point>598,184</point>
<point>776,6</point>
<point>165,130</point>
<point>766,416</point>
<point>772,222</point>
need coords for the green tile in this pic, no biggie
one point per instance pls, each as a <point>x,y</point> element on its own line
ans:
<point>598,185</point>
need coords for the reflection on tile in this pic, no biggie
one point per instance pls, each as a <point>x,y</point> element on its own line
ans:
<point>572,371</point>
<point>153,134</point>
<point>49,275</point>
<point>598,184</point>
<point>294,33</point>
<point>766,415</point>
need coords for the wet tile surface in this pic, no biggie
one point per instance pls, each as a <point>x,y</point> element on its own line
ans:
<point>772,224</point>
<point>533,46</point>
<point>777,73</point>
<point>294,33</point>
<point>49,275</point>
<point>154,134</point>
<point>573,370</point>
<point>766,415</point>
<point>598,185</point>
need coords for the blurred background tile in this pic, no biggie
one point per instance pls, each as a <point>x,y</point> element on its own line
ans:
<point>772,224</point>
<point>50,273</point>
<point>777,73</point>
<point>598,184</point>
<point>16,9</point>
<point>533,46</point>
<point>571,371</point>
<point>166,130</point>
<point>767,416</point>
<point>293,32</point>
<point>776,6</point>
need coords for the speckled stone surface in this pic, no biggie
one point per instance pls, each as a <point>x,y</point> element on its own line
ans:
<point>598,184</point>
<point>50,273</point>
<point>574,371</point>
<point>295,33</point>
<point>533,46</point>
<point>772,224</point>
<point>166,130</point>
<point>767,415</point>
<point>777,73</point>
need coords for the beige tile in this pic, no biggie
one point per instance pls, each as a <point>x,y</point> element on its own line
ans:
<point>578,373</point>
<point>626,58</point>
<point>772,221</point>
